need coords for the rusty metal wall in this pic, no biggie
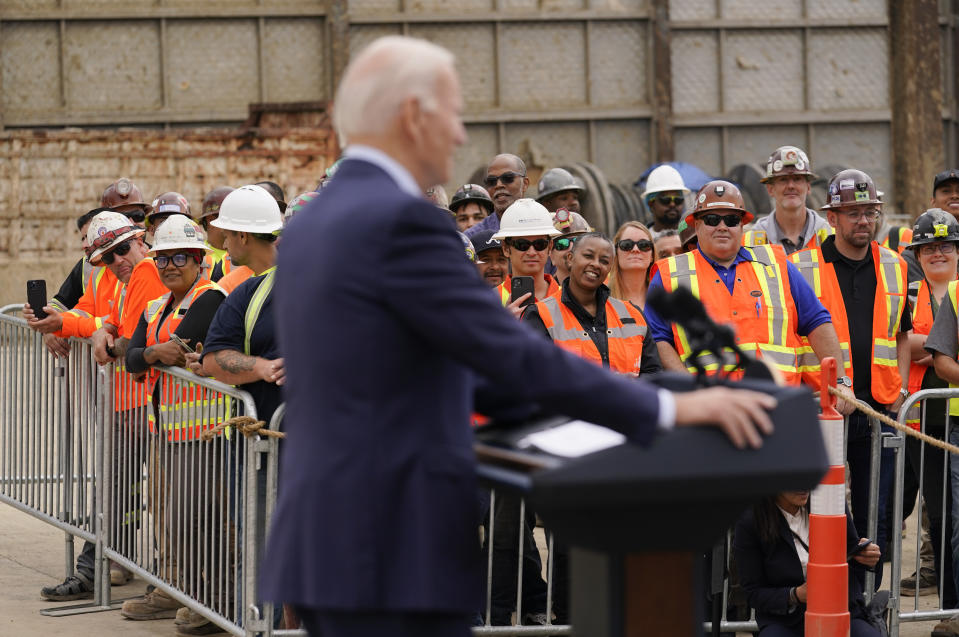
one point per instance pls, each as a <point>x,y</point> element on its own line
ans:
<point>751,76</point>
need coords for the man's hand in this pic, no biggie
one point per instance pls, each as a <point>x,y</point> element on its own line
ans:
<point>801,593</point>
<point>272,371</point>
<point>193,363</point>
<point>168,353</point>
<point>740,413</point>
<point>516,306</point>
<point>59,347</point>
<point>846,406</point>
<point>102,340</point>
<point>52,323</point>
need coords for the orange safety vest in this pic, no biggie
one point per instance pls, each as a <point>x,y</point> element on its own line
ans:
<point>505,288</point>
<point>100,291</point>
<point>625,331</point>
<point>897,239</point>
<point>185,408</point>
<point>238,274</point>
<point>753,238</point>
<point>887,312</point>
<point>760,309</point>
<point>921,324</point>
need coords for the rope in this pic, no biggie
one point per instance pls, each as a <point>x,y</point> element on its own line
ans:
<point>883,418</point>
<point>250,427</point>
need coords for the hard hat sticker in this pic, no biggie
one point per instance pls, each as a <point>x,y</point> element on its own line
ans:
<point>720,190</point>
<point>941,229</point>
<point>799,164</point>
<point>777,165</point>
<point>189,231</point>
<point>702,198</point>
<point>835,199</point>
<point>846,184</point>
<point>862,196</point>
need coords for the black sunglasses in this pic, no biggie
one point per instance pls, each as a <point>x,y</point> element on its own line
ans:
<point>564,243</point>
<point>523,244</point>
<point>119,251</point>
<point>731,221</point>
<point>507,178</point>
<point>668,200</point>
<point>179,260</point>
<point>626,245</point>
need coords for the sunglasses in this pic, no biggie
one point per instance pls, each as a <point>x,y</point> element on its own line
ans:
<point>713,220</point>
<point>644,245</point>
<point>507,178</point>
<point>179,260</point>
<point>109,257</point>
<point>564,243</point>
<point>670,200</point>
<point>523,244</point>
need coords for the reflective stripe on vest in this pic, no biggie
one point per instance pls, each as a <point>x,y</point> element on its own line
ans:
<point>887,312</point>
<point>898,239</point>
<point>753,238</point>
<point>625,332</point>
<point>760,308</point>
<point>256,306</point>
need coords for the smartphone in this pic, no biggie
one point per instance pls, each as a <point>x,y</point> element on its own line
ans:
<point>179,341</point>
<point>520,286</point>
<point>37,296</point>
<point>859,548</point>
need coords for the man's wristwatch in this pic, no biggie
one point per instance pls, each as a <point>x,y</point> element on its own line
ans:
<point>844,380</point>
<point>904,392</point>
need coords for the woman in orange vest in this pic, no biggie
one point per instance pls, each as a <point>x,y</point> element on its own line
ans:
<point>182,410</point>
<point>587,321</point>
<point>935,238</point>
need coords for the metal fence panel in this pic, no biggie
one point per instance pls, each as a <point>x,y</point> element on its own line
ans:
<point>695,77</point>
<point>33,86</point>
<point>849,70</point>
<point>363,34</point>
<point>450,6</point>
<point>851,9</point>
<point>752,144</point>
<point>617,63</point>
<point>552,143</point>
<point>482,146</point>
<point>621,149</point>
<point>475,48</point>
<point>762,71</point>
<point>701,146</point>
<point>295,70</point>
<point>692,9</point>
<point>200,75</point>
<point>769,10</point>
<point>864,146</point>
<point>533,81</point>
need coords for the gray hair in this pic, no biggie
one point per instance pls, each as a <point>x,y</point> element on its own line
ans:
<point>378,81</point>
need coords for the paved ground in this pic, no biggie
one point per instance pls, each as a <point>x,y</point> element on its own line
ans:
<point>31,556</point>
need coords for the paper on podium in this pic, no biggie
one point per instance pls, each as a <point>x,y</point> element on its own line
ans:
<point>573,439</point>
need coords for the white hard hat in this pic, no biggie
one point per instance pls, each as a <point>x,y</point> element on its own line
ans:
<point>107,230</point>
<point>664,179</point>
<point>249,209</point>
<point>526,218</point>
<point>178,231</point>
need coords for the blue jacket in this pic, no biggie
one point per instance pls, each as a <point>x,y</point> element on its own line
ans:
<point>387,332</point>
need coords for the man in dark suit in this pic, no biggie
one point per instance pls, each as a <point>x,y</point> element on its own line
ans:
<point>388,333</point>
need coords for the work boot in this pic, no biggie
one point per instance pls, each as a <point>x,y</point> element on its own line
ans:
<point>119,575</point>
<point>154,605</point>
<point>205,628</point>
<point>948,628</point>
<point>927,582</point>
<point>186,616</point>
<point>74,587</point>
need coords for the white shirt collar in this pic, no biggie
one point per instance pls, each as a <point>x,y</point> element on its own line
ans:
<point>404,180</point>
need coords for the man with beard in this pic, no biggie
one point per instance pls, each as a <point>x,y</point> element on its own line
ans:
<point>863,285</point>
<point>506,181</point>
<point>791,224</point>
<point>491,261</point>
<point>665,196</point>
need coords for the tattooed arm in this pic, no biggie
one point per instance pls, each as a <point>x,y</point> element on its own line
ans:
<point>235,368</point>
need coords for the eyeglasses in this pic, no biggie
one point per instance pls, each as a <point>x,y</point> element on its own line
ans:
<point>179,260</point>
<point>564,243</point>
<point>507,178</point>
<point>930,249</point>
<point>670,200</point>
<point>644,245</point>
<point>524,244</point>
<point>868,215</point>
<point>119,251</point>
<point>713,220</point>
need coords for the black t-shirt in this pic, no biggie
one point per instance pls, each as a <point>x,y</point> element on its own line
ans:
<point>858,285</point>
<point>72,287</point>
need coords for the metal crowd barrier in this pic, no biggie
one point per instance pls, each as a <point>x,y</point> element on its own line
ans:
<point>899,613</point>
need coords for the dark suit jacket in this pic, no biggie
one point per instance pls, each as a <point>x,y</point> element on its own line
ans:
<point>386,331</point>
<point>767,572</point>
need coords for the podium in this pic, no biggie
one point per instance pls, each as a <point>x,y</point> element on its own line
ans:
<point>639,519</point>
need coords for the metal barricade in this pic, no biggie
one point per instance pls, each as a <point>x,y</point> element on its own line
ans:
<point>899,613</point>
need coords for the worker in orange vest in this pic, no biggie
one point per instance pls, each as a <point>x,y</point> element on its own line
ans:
<point>526,231</point>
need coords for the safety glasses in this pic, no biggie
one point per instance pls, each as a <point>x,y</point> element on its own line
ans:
<point>179,260</point>
<point>507,178</point>
<point>859,215</point>
<point>713,220</point>
<point>119,251</point>
<point>644,245</point>
<point>564,243</point>
<point>931,248</point>
<point>524,244</point>
<point>670,200</point>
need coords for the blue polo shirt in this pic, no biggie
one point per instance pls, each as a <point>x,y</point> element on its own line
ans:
<point>810,311</point>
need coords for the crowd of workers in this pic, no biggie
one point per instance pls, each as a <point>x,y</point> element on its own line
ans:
<point>161,279</point>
